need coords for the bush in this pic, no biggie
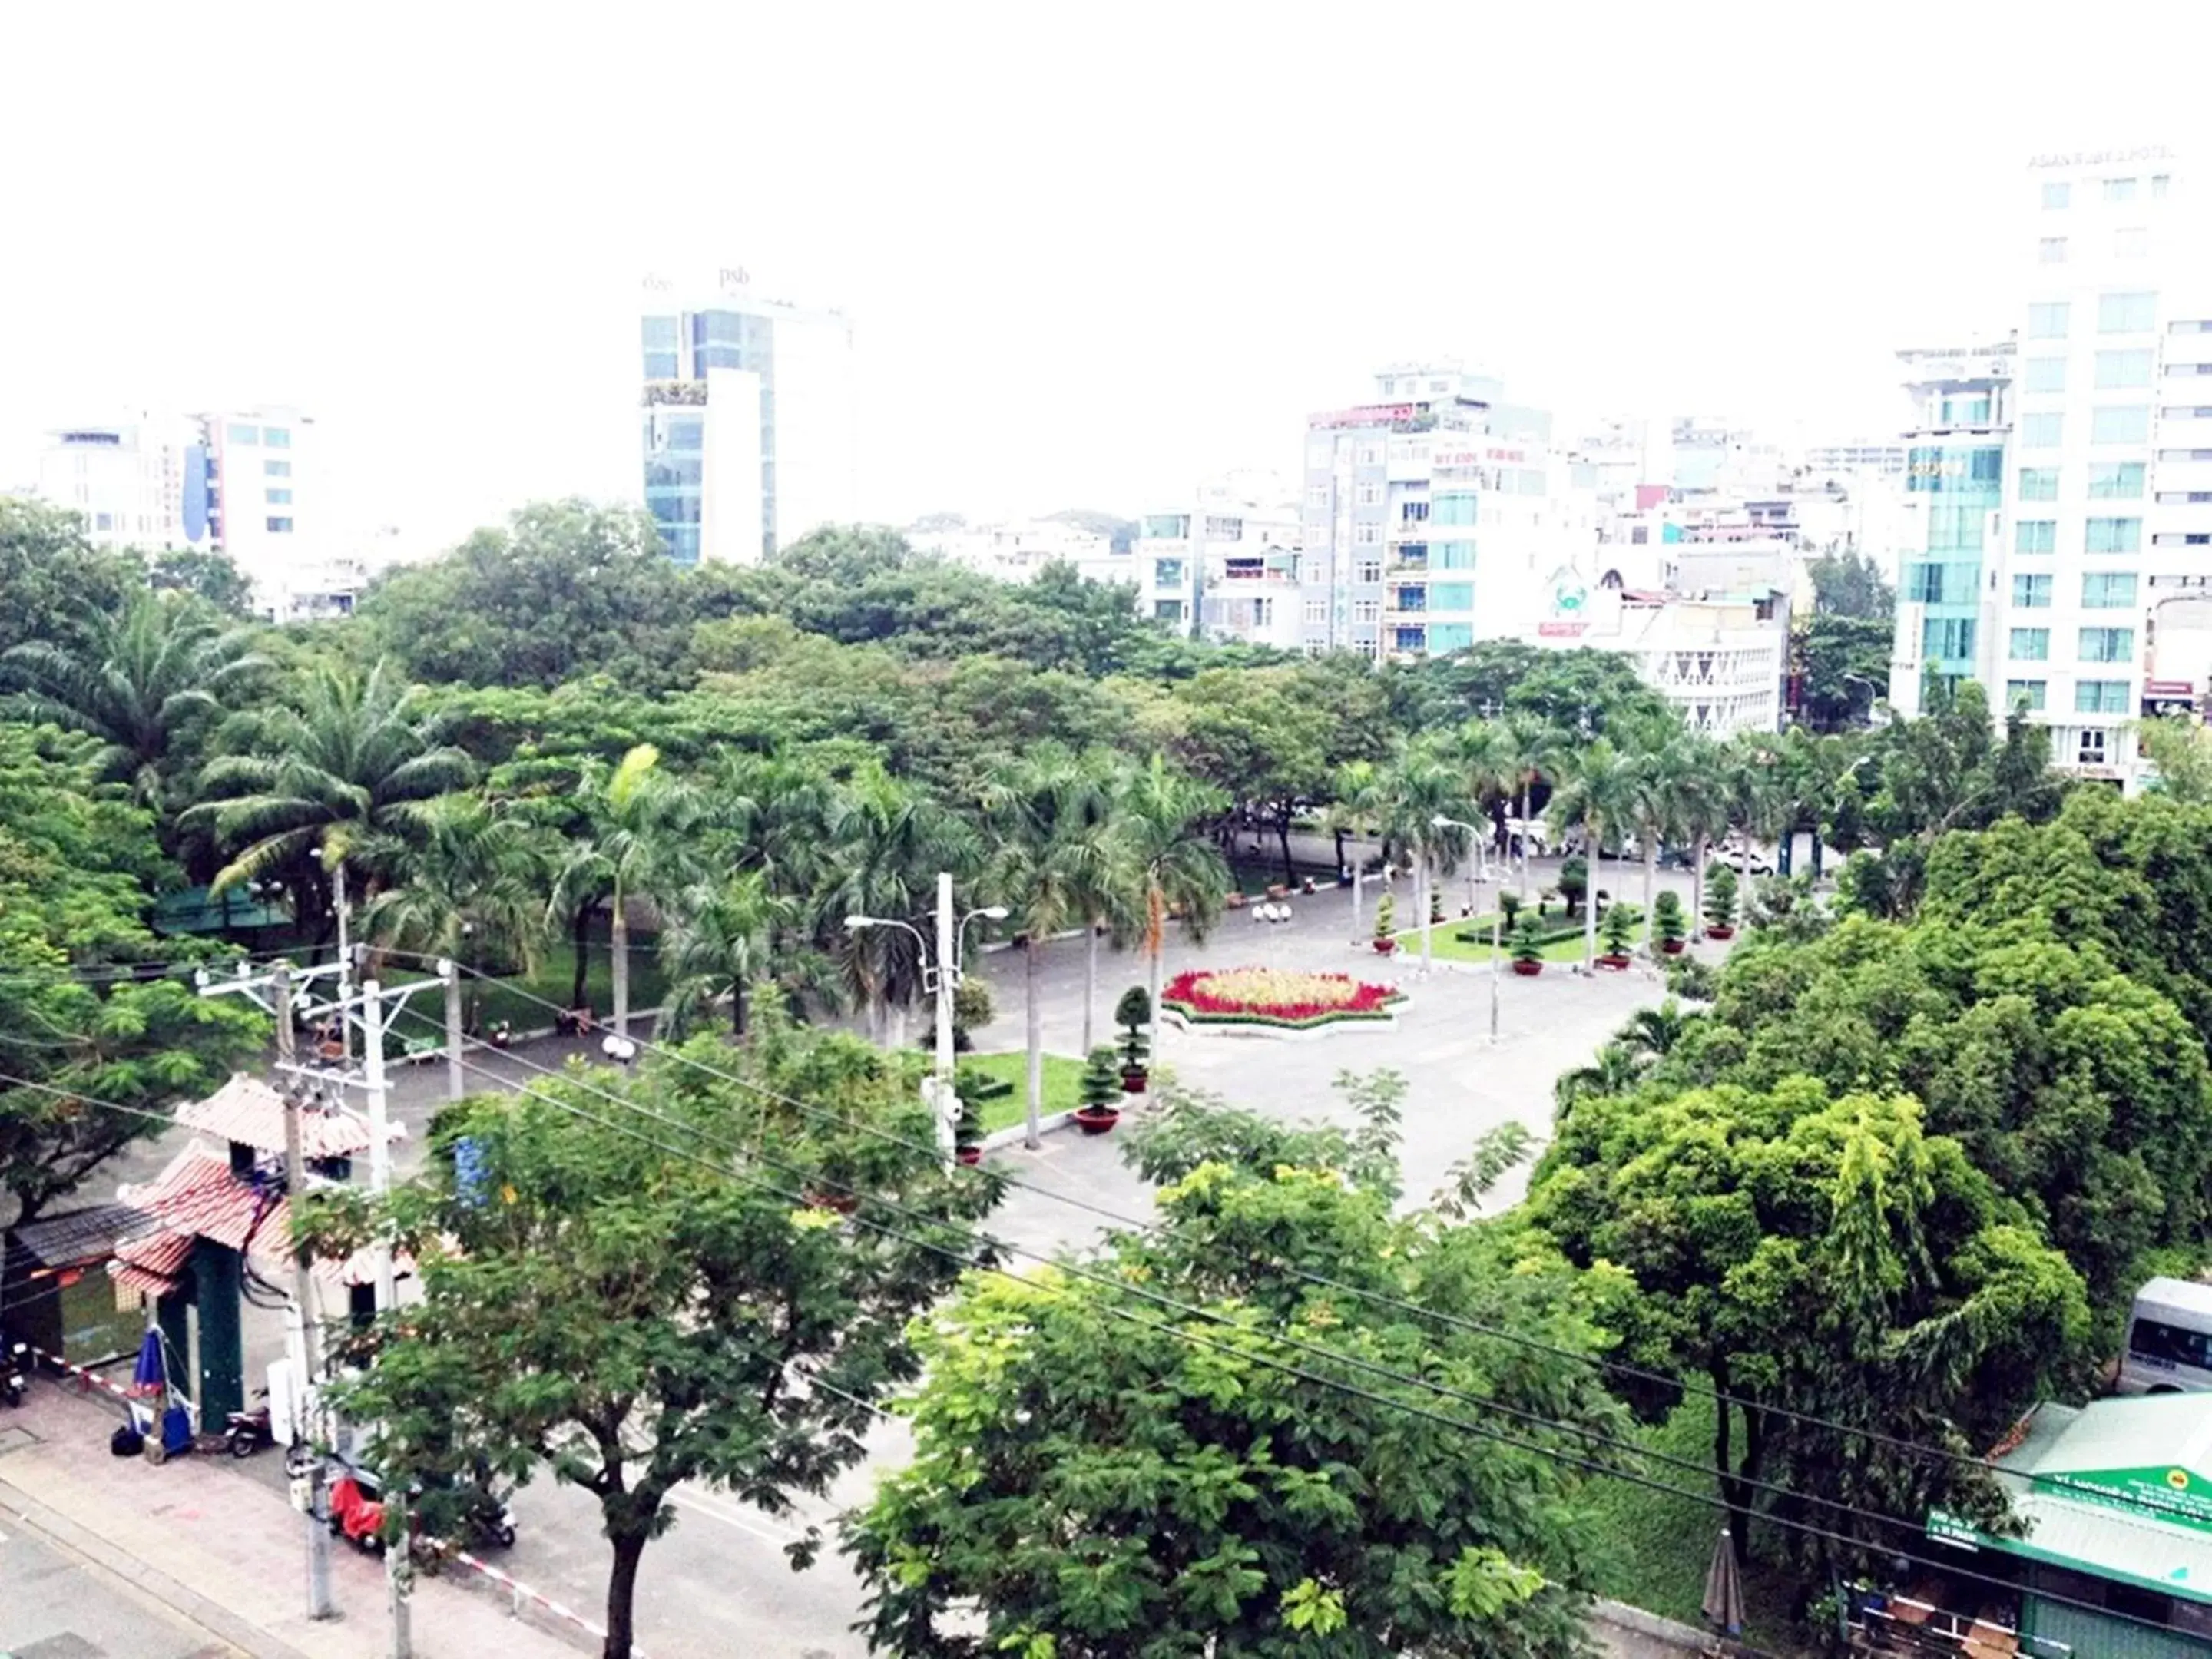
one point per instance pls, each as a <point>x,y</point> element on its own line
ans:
<point>1386,917</point>
<point>1574,882</point>
<point>1720,897</point>
<point>1667,917</point>
<point>1508,905</point>
<point>1692,980</point>
<point>1527,946</point>
<point>971,1006</point>
<point>1134,1014</point>
<point>1617,927</point>
<point>973,1085</point>
<point>1101,1084</point>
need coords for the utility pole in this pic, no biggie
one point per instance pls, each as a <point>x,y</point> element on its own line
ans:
<point>948,982</point>
<point>301,1345</point>
<point>396,1571</point>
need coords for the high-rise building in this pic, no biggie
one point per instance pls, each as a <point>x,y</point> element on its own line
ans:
<point>125,479</point>
<point>749,409</point>
<point>2101,599</point>
<point>1432,516</point>
<point>1225,564</point>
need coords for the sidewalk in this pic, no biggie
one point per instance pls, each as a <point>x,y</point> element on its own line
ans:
<point>221,1550</point>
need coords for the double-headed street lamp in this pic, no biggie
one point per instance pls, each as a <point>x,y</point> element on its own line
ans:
<point>942,980</point>
<point>1496,911</point>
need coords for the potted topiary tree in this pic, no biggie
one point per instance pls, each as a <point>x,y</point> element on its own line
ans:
<point>1617,927</point>
<point>1133,1013</point>
<point>1100,1093</point>
<point>1386,923</point>
<point>1667,923</point>
<point>971,1006</point>
<point>1527,948</point>
<point>968,1134</point>
<point>1720,904</point>
<point>1574,882</point>
<point>1508,905</point>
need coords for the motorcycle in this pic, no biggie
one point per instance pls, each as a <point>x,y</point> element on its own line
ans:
<point>357,1512</point>
<point>12,1373</point>
<point>247,1431</point>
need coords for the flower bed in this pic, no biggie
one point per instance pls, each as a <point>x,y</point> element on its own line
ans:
<point>1275,996</point>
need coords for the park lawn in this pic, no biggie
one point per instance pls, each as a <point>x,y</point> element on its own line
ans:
<point>1062,1078</point>
<point>522,1000</point>
<point>1448,949</point>
<point>1654,1547</point>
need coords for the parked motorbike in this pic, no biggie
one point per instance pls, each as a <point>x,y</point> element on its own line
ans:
<point>13,1370</point>
<point>481,1515</point>
<point>355,1515</point>
<point>248,1432</point>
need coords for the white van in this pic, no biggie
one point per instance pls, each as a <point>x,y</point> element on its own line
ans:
<point>2169,1342</point>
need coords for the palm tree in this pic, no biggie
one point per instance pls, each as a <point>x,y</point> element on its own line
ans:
<point>1486,754</point>
<point>719,938</point>
<point>1045,851</point>
<point>639,841</point>
<point>1651,1033</point>
<point>1655,762</point>
<point>1699,789</point>
<point>1529,748</point>
<point>777,812</point>
<point>1112,896</point>
<point>144,674</point>
<point>341,777</point>
<point>1598,790</point>
<point>1422,782</point>
<point>887,842</point>
<point>1614,1071</point>
<point>1174,867</point>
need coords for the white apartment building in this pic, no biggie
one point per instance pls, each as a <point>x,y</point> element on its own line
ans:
<point>1718,657</point>
<point>1224,565</point>
<point>1431,518</point>
<point>2105,567</point>
<point>749,414</point>
<point>125,479</point>
<point>1015,551</point>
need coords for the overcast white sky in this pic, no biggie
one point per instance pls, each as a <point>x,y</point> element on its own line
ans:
<point>1092,254</point>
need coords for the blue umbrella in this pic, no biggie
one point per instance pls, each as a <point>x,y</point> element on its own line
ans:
<point>149,1380</point>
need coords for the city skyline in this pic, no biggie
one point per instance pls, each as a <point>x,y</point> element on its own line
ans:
<point>1064,292</point>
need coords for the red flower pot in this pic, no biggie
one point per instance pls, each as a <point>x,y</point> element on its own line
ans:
<point>1133,1083</point>
<point>1725,931</point>
<point>1097,1119</point>
<point>1672,947</point>
<point>1527,970</point>
<point>1384,946</point>
<point>1617,963</point>
<point>971,1156</point>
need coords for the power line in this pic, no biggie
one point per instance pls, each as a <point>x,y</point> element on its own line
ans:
<point>1614,1367</point>
<point>1443,1390</point>
<point>1711,1501</point>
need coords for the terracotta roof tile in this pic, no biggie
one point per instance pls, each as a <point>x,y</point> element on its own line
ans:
<point>247,1109</point>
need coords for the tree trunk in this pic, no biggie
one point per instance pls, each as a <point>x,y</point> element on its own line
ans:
<point>1283,830</point>
<point>1697,889</point>
<point>580,931</point>
<point>622,1598</point>
<point>619,932</point>
<point>1524,840</point>
<point>1421,899</point>
<point>738,1009</point>
<point>1651,891</point>
<point>1033,1016</point>
<point>1340,847</point>
<point>1596,862</point>
<point>1154,972</point>
<point>1089,984</point>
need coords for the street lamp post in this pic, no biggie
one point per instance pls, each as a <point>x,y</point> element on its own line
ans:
<point>942,982</point>
<point>1496,911</point>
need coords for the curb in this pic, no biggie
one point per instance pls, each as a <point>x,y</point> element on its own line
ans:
<point>1620,1615</point>
<point>210,1616</point>
<point>1230,1028</point>
<point>1016,1134</point>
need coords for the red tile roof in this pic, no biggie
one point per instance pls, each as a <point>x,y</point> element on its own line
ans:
<point>247,1109</point>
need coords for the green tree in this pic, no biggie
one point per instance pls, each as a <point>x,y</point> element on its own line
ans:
<point>1824,1253</point>
<point>888,842</point>
<point>207,576</point>
<point>51,580</point>
<point>1720,899</point>
<point>1842,666</point>
<point>77,1027</point>
<point>627,1289</point>
<point>1598,793</point>
<point>1095,1474</point>
<point>2181,751</point>
<point>1851,584</point>
<point>338,776</point>
<point>1178,872</point>
<point>720,939</point>
<point>139,679</point>
<point>1249,735</point>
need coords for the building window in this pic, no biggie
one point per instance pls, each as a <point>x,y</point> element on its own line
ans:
<point>2035,536</point>
<point>1368,570</point>
<point>2026,694</point>
<point>1452,556</point>
<point>1165,526</point>
<point>241,435</point>
<point>1365,648</point>
<point>1451,596</point>
<point>2107,590</point>
<point>1367,495</point>
<point>660,366</point>
<point>2040,431</point>
<point>2046,375</point>
<point>2120,423</point>
<point>1167,573</point>
<point>1413,512</point>
<point>279,526</point>
<point>2127,313</point>
<point>1453,506</point>
<point>1923,584</point>
<point>276,437</point>
<point>1366,611</point>
<point>2100,697</point>
<point>2030,644</point>
<point>2117,481</point>
<point>2119,370</point>
<point>2057,196</point>
<point>277,497</point>
<point>2182,498</point>
<point>1317,494</point>
<point>1316,613</point>
<point>2132,242</point>
<point>1367,535</point>
<point>2119,190</point>
<point>2051,251</point>
<point>1167,609</point>
<point>276,469</point>
<point>2031,592</point>
<point>2185,454</point>
<point>2113,536</point>
<point>2107,645</point>
<point>1369,455</point>
<point>1950,638</point>
<point>2090,749</point>
<point>2046,320</point>
<point>2039,483</point>
<point>2179,540</point>
<point>2158,181</point>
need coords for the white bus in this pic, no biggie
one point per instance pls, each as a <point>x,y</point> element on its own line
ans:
<point>2169,1342</point>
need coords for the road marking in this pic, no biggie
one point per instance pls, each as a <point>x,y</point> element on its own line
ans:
<point>729,1517</point>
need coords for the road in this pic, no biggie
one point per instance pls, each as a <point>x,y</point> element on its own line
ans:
<point>719,1583</point>
<point>56,1604</point>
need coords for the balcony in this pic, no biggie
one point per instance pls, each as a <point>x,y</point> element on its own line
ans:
<point>692,393</point>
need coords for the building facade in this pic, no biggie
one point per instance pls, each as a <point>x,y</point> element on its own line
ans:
<point>1430,517</point>
<point>747,423</point>
<point>125,479</point>
<point>1224,565</point>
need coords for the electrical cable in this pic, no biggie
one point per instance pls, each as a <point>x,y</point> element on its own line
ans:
<point>1554,1453</point>
<point>1614,1367</point>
